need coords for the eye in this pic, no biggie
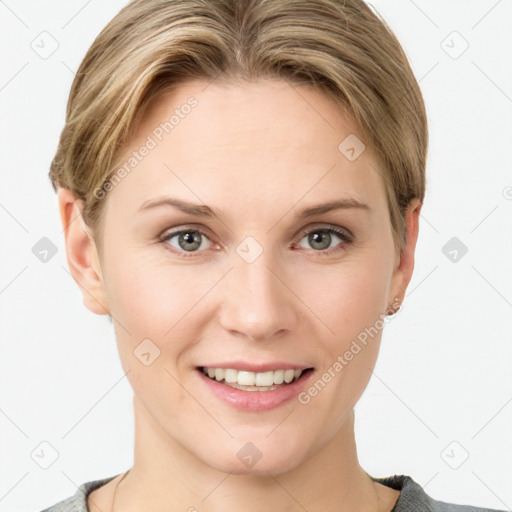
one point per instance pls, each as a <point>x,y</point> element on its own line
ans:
<point>320,239</point>
<point>186,241</point>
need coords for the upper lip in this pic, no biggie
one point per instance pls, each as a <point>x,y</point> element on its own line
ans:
<point>257,368</point>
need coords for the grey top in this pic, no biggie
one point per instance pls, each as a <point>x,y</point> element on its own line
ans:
<point>412,498</point>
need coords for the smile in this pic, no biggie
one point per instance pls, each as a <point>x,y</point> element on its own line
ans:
<point>252,381</point>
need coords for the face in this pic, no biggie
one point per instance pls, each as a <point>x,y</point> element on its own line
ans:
<point>263,279</point>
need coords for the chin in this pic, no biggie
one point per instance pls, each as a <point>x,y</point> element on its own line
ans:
<point>256,459</point>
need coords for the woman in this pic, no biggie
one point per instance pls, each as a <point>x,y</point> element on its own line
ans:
<point>240,183</point>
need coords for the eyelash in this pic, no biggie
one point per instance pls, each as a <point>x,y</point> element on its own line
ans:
<point>343,234</point>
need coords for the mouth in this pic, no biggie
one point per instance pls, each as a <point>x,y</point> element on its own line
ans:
<point>255,381</point>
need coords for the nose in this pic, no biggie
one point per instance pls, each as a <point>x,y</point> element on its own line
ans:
<point>257,302</point>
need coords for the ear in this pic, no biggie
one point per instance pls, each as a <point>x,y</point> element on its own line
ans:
<point>82,256</point>
<point>405,264</point>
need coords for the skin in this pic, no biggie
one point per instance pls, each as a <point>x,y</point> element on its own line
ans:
<point>277,148</point>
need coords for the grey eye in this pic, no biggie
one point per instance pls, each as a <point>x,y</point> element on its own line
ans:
<point>320,239</point>
<point>188,241</point>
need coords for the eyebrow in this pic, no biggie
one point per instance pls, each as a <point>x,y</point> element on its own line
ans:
<point>199,210</point>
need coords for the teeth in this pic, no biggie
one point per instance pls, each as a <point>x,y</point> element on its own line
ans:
<point>262,380</point>
<point>230,375</point>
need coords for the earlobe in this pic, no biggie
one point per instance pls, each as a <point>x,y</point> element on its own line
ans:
<point>403,272</point>
<point>81,253</point>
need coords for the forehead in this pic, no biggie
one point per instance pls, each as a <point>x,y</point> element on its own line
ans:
<point>230,143</point>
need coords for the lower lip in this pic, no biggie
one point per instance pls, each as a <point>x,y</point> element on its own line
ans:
<point>256,400</point>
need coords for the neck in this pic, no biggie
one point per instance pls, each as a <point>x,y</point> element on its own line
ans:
<point>166,476</point>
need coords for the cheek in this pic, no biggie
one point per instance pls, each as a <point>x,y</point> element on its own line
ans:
<point>155,324</point>
<point>164,302</point>
<point>149,293</point>
<point>348,358</point>
<point>348,298</point>
<point>351,303</point>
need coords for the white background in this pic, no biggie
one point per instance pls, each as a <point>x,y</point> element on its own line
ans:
<point>445,364</point>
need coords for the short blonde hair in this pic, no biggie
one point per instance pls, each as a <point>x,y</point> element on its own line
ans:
<point>341,47</point>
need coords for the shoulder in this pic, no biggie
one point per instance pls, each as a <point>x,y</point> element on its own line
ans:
<point>414,499</point>
<point>78,502</point>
